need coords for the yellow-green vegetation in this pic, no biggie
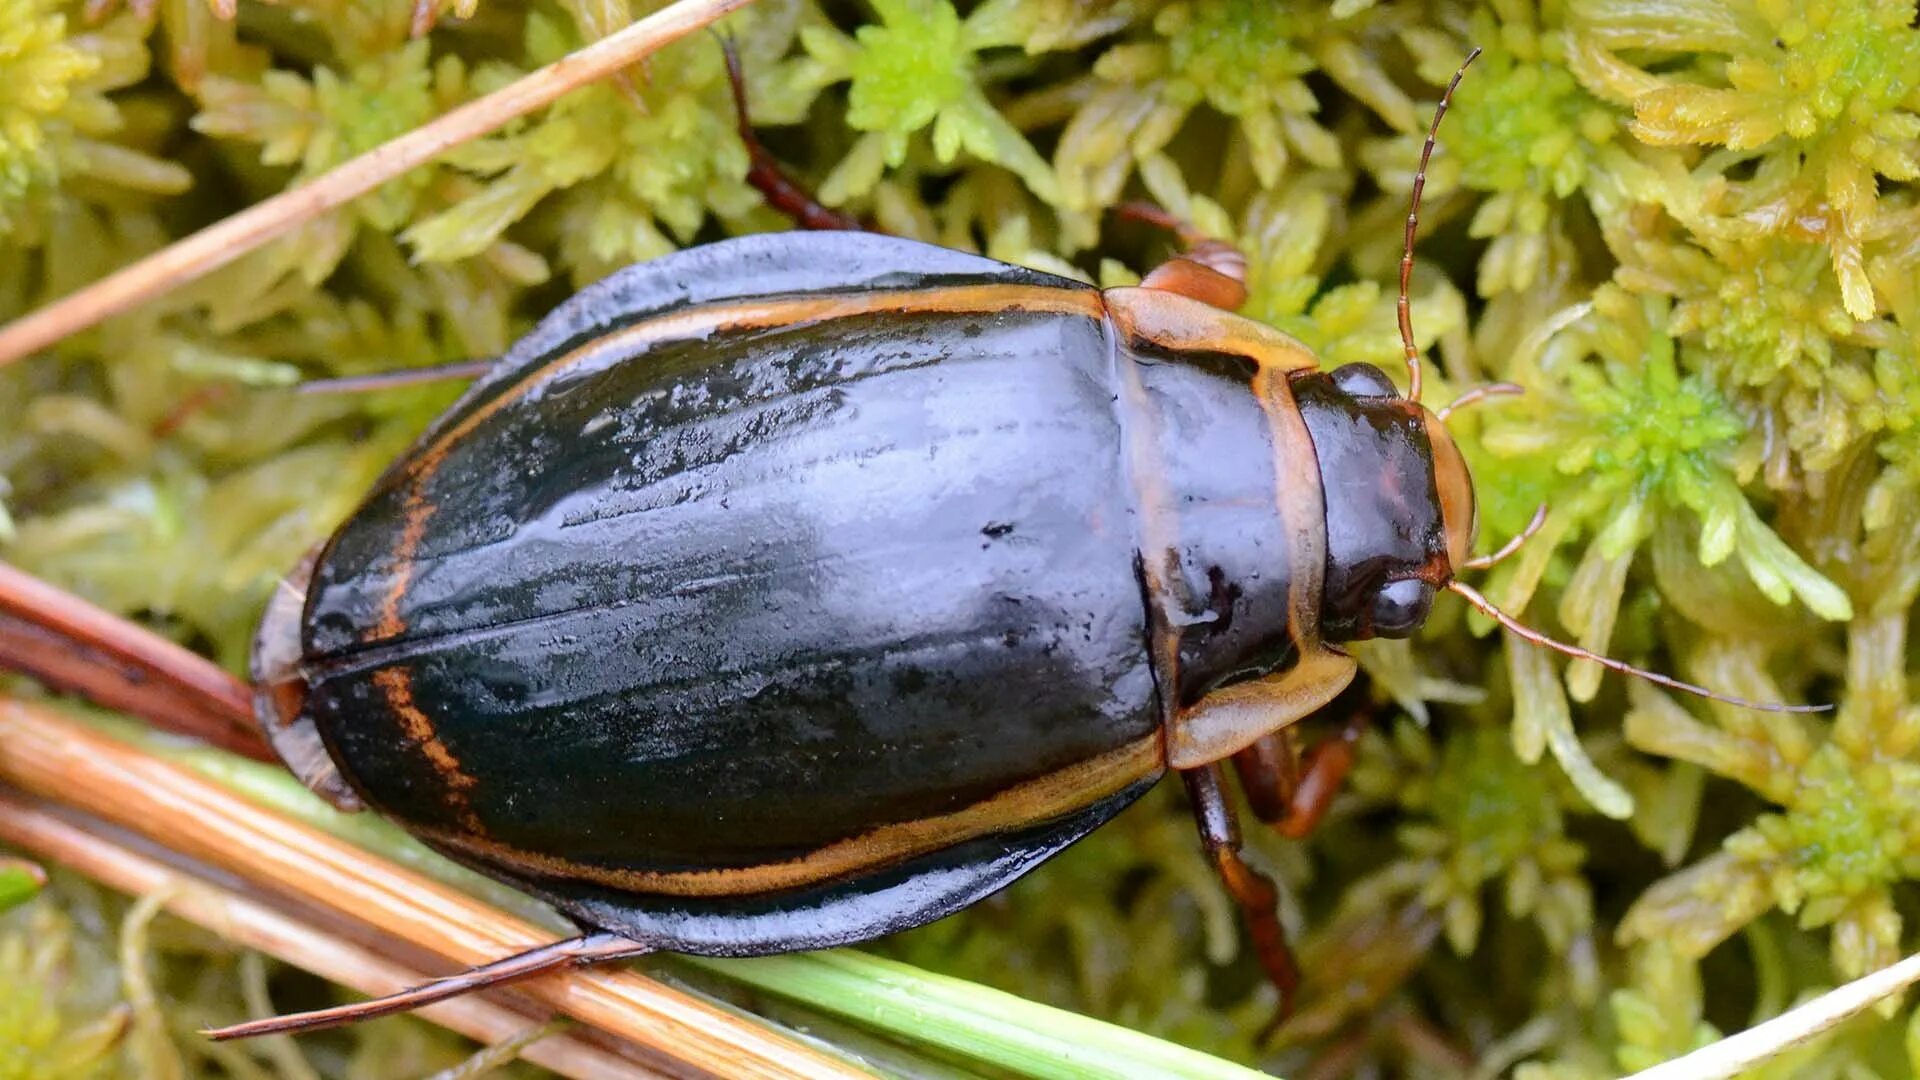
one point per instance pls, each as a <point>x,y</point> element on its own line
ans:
<point>1688,228</point>
<point>96,986</point>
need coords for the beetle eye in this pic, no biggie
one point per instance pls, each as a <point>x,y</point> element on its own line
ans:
<point>1400,607</point>
<point>1363,380</point>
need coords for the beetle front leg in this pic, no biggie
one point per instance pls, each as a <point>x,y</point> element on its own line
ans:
<point>1292,792</point>
<point>1209,270</point>
<point>1255,893</point>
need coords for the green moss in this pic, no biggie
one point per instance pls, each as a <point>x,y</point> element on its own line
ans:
<point>1830,91</point>
<point>93,987</point>
<point>914,69</point>
<point>1688,229</point>
<point>1635,441</point>
<point>1659,1014</point>
<point>56,121</point>
<point>39,68</point>
<point>1240,58</point>
<point>336,116</point>
<point>1528,134</point>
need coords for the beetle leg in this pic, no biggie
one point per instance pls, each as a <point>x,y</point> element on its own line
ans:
<point>764,172</point>
<point>597,948</point>
<point>1293,793</point>
<point>388,380</point>
<point>214,393</point>
<point>1209,270</point>
<point>1252,890</point>
<point>1190,277</point>
<point>1269,772</point>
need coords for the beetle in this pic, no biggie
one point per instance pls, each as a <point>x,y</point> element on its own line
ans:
<point>802,588</point>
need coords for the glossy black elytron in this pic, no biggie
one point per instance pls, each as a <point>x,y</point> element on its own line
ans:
<point>801,588</point>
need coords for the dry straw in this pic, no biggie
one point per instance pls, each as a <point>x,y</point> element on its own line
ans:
<point>83,847</point>
<point>230,238</point>
<point>50,756</point>
<point>1736,1054</point>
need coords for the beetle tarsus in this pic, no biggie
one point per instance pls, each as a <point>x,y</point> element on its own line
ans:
<point>1259,900</point>
<point>597,948</point>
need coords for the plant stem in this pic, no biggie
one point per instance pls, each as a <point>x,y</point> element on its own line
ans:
<point>64,641</point>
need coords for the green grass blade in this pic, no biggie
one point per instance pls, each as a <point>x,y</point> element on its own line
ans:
<point>980,1023</point>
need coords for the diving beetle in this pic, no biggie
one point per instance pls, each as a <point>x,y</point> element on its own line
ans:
<point>802,588</point>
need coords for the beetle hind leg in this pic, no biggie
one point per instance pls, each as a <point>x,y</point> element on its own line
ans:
<point>597,948</point>
<point>1290,791</point>
<point>1259,900</point>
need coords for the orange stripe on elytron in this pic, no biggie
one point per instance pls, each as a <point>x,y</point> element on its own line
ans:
<point>396,684</point>
<point>709,319</point>
<point>416,510</point>
<point>1048,797</point>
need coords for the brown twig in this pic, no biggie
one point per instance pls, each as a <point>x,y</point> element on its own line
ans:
<point>30,825</point>
<point>56,758</point>
<point>221,243</point>
<point>66,642</point>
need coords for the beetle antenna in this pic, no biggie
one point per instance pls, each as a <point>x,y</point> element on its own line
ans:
<point>1413,226</point>
<point>1511,546</point>
<point>573,952</point>
<point>1477,395</point>
<point>1528,633</point>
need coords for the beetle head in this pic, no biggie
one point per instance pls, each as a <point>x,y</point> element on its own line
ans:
<point>1400,505</point>
<point>1399,502</point>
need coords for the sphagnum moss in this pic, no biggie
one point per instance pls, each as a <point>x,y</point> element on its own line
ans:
<point>1690,231</point>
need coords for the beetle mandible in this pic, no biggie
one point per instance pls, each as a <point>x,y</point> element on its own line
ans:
<point>837,580</point>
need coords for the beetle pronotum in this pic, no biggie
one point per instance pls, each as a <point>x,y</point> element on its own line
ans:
<point>833,581</point>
